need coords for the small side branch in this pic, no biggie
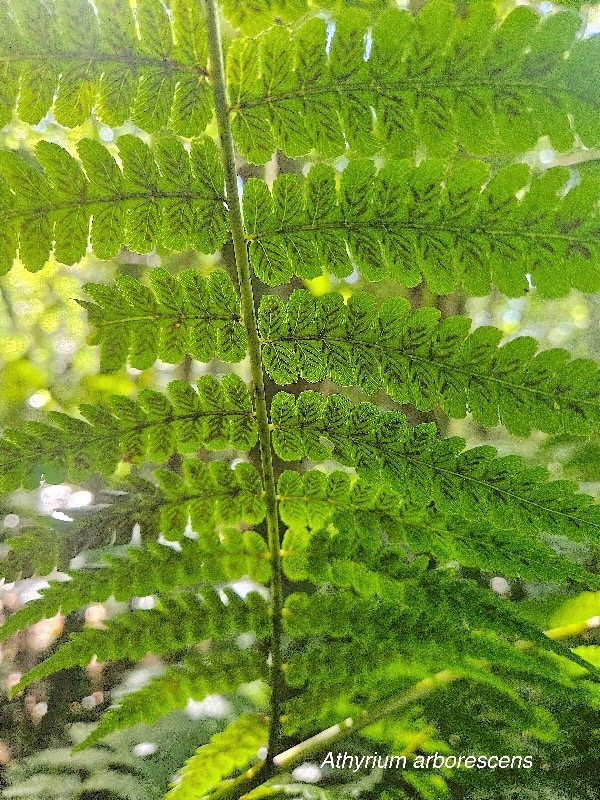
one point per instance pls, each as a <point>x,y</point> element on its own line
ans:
<point>241,787</point>
<point>315,744</point>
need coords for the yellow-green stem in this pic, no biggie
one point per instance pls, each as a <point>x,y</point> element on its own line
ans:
<point>217,77</point>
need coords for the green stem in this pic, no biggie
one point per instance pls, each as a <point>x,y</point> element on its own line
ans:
<point>316,744</point>
<point>239,788</point>
<point>217,71</point>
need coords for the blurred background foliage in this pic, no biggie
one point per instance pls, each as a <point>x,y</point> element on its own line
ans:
<point>46,365</point>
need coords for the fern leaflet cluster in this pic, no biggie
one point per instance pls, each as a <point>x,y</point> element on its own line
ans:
<point>178,316</point>
<point>162,196</point>
<point>217,414</point>
<point>176,623</point>
<point>436,79</point>
<point>197,677</point>
<point>70,57</point>
<point>474,482</point>
<point>422,360</point>
<point>451,227</point>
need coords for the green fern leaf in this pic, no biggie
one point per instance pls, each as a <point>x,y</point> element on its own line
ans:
<point>483,659</point>
<point>110,521</point>
<point>371,581</point>
<point>177,315</point>
<point>419,360</point>
<point>153,569</point>
<point>355,513</point>
<point>343,572</point>
<point>218,415</point>
<point>511,553</point>
<point>34,549</point>
<point>177,623</point>
<point>443,602</point>
<point>486,611</point>
<point>257,15</point>
<point>70,56</point>
<point>37,547</point>
<point>227,751</point>
<point>312,499</point>
<point>436,80</point>
<point>543,668</point>
<point>59,774</point>
<point>474,482</point>
<point>162,197</point>
<point>198,676</point>
<point>453,227</point>
<point>209,495</point>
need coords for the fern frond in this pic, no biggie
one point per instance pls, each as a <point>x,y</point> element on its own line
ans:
<point>209,495</point>
<point>198,676</point>
<point>230,750</point>
<point>332,678</point>
<point>391,671</point>
<point>70,56</point>
<point>111,520</point>
<point>311,500</point>
<point>37,546</point>
<point>486,611</point>
<point>349,670</point>
<point>177,316</point>
<point>421,360</point>
<point>340,614</point>
<point>69,786</point>
<point>472,483</point>
<point>307,557</point>
<point>454,227</point>
<point>355,513</point>
<point>59,774</point>
<point>511,553</point>
<point>482,656</point>
<point>355,510</point>
<point>436,80</point>
<point>438,617</point>
<point>218,415</point>
<point>258,15</point>
<point>178,622</point>
<point>336,516</point>
<point>153,569</point>
<point>207,498</point>
<point>163,196</point>
<point>34,548</point>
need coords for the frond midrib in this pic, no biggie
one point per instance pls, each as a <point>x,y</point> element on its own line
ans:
<point>86,202</point>
<point>109,436</point>
<point>404,85</point>
<point>429,227</point>
<point>177,317</point>
<point>170,66</point>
